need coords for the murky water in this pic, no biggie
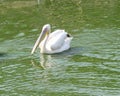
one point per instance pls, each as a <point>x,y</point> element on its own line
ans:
<point>90,68</point>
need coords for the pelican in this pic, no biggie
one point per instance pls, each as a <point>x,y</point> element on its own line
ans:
<point>50,43</point>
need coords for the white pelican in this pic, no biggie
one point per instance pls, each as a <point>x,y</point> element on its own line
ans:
<point>55,42</point>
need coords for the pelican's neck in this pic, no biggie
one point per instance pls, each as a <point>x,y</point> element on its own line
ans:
<point>46,30</point>
<point>43,45</point>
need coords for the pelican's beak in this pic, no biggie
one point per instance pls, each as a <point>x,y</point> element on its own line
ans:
<point>45,31</point>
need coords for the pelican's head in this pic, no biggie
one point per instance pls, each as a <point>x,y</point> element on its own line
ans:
<point>45,31</point>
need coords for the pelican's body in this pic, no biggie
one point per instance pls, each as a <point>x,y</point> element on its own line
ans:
<point>55,42</point>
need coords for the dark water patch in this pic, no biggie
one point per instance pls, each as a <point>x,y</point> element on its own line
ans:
<point>3,54</point>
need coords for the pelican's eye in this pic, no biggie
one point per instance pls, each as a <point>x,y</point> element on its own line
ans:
<point>68,35</point>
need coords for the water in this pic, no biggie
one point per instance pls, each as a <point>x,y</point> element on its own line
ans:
<point>90,68</point>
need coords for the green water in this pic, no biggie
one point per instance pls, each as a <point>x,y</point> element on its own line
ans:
<point>90,68</point>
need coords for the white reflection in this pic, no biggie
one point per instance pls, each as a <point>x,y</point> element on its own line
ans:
<point>38,1</point>
<point>45,61</point>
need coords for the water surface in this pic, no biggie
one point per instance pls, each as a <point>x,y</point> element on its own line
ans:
<point>90,68</point>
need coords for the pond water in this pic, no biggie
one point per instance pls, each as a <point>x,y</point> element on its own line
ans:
<point>90,68</point>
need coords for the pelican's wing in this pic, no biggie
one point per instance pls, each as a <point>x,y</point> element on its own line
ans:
<point>57,39</point>
<point>56,33</point>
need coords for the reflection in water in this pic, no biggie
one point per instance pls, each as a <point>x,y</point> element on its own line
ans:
<point>48,61</point>
<point>45,61</point>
